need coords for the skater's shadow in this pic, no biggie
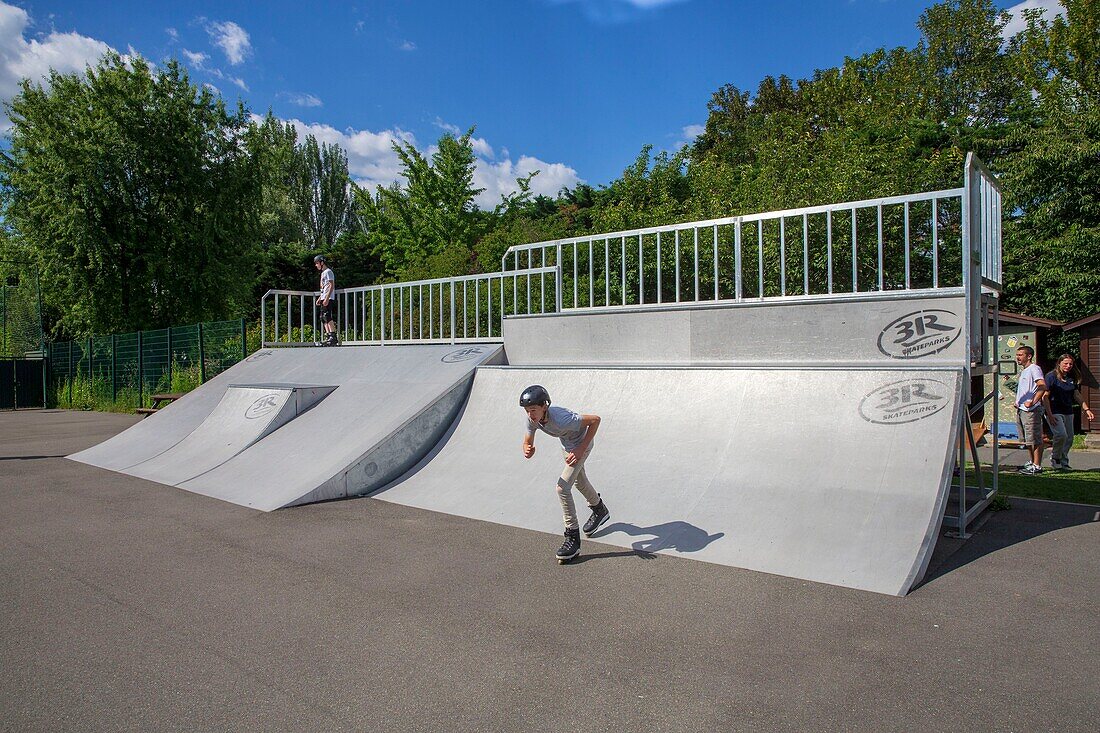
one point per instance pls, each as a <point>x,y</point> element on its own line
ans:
<point>679,536</point>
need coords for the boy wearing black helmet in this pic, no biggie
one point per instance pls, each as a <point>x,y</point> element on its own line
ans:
<point>325,300</point>
<point>576,433</point>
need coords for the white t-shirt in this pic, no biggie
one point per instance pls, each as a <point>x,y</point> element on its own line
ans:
<point>328,277</point>
<point>1025,390</point>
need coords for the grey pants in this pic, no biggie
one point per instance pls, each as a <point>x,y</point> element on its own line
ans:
<point>1061,438</point>
<point>575,476</point>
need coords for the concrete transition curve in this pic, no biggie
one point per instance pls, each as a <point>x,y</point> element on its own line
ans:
<point>291,426</point>
<point>736,466</point>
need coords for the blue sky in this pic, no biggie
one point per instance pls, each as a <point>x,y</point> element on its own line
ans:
<point>573,88</point>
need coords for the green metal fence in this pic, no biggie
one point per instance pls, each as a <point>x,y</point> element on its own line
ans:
<point>123,371</point>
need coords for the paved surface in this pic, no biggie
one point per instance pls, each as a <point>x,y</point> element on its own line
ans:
<point>127,605</point>
<point>857,505</point>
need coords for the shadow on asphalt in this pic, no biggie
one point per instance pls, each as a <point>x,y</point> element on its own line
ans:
<point>30,458</point>
<point>1025,520</point>
<point>611,555</point>
<point>679,536</point>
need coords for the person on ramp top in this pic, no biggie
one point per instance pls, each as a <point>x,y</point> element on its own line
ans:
<point>326,300</point>
<point>576,433</point>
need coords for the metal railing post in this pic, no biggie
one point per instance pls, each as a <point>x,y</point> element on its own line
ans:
<point>141,371</point>
<point>114,364</point>
<point>202,354</point>
<point>453,312</point>
<point>244,341</point>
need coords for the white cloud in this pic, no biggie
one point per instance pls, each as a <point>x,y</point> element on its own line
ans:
<point>302,100</point>
<point>195,58</point>
<point>499,178</point>
<point>1050,8</point>
<point>231,39</point>
<point>687,135</point>
<point>408,46</point>
<point>172,33</point>
<point>198,60</point>
<point>616,11</point>
<point>372,162</point>
<point>23,58</point>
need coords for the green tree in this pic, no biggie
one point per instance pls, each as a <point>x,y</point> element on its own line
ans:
<point>323,193</point>
<point>428,227</point>
<point>1053,246</point>
<point>133,190</point>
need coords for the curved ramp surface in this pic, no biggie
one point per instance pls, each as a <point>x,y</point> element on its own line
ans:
<point>390,405</point>
<point>245,415</point>
<point>734,466</point>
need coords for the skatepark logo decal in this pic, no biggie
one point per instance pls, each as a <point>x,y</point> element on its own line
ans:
<point>463,355</point>
<point>904,401</point>
<point>259,355</point>
<point>262,406</point>
<point>919,334</point>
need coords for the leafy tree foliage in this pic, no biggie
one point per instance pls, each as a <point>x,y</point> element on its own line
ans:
<point>133,190</point>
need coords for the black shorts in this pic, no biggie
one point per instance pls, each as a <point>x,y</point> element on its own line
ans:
<point>326,312</point>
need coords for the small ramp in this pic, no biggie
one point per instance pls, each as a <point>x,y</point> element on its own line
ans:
<point>335,422</point>
<point>735,466</point>
<point>245,415</point>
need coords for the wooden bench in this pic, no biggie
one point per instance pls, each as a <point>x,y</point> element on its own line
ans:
<point>167,398</point>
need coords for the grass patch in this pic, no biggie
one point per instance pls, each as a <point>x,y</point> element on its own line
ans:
<point>1080,487</point>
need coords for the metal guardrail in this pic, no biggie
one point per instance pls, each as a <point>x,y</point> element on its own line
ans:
<point>464,309</point>
<point>884,245</point>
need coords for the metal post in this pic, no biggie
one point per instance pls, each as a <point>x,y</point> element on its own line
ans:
<point>202,350</point>
<point>244,342</point>
<point>114,364</point>
<point>141,370</point>
<point>452,312</point>
<point>70,375</point>
<point>170,360</point>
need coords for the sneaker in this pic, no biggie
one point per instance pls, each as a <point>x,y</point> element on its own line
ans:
<point>1031,469</point>
<point>600,515</point>
<point>1065,466</point>
<point>571,547</point>
<point>1026,468</point>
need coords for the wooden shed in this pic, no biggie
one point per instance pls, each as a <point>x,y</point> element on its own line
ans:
<point>1089,363</point>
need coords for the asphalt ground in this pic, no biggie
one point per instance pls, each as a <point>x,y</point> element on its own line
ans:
<point>126,605</point>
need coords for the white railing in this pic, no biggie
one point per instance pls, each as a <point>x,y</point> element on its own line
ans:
<point>896,245</point>
<point>463,309</point>
<point>885,245</point>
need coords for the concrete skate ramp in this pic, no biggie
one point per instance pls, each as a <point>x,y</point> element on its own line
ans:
<point>734,466</point>
<point>245,415</point>
<point>390,405</point>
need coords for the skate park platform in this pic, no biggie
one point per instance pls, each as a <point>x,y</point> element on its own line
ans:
<point>292,426</point>
<point>869,382</point>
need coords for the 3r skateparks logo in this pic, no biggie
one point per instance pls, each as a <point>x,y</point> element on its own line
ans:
<point>904,401</point>
<point>466,354</point>
<point>918,334</point>
<point>259,355</point>
<point>262,406</point>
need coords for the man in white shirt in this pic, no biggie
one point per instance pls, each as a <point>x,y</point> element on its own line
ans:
<point>326,300</point>
<point>1030,406</point>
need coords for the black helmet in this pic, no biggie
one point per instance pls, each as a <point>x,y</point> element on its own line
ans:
<point>318,258</point>
<point>534,395</point>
